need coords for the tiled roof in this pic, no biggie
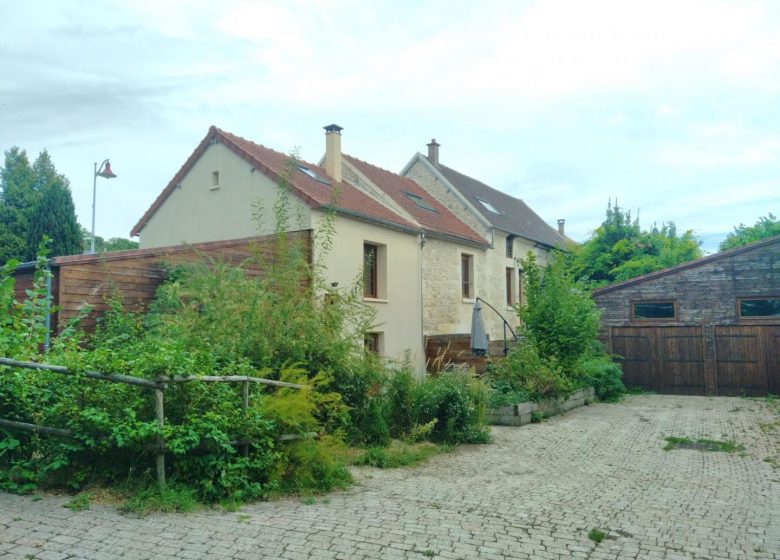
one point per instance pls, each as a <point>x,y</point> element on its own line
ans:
<point>432,215</point>
<point>515,216</point>
<point>316,194</point>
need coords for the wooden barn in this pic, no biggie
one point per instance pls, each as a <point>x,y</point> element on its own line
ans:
<point>87,280</point>
<point>707,327</point>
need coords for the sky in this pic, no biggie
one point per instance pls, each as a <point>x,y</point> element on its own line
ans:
<point>672,108</point>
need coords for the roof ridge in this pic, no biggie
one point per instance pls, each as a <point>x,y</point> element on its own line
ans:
<point>689,264</point>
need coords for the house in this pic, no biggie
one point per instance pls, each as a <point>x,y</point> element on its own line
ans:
<point>510,226</point>
<point>446,243</point>
<point>227,189</point>
<point>706,327</point>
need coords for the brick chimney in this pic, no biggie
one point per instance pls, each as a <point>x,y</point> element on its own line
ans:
<point>433,152</point>
<point>333,151</point>
<point>561,226</point>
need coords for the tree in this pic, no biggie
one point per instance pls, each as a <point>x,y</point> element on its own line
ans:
<point>103,245</point>
<point>35,202</point>
<point>16,200</point>
<point>619,249</point>
<point>54,215</point>
<point>766,226</point>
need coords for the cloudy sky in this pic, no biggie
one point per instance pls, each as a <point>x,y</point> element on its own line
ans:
<point>670,107</point>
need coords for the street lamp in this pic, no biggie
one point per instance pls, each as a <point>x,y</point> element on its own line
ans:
<point>103,171</point>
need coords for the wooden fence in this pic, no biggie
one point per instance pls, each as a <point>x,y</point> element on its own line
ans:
<point>159,386</point>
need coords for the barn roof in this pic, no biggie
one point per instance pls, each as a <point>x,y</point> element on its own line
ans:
<point>685,266</point>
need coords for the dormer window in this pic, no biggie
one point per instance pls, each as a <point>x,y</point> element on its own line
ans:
<point>420,202</point>
<point>308,172</point>
<point>489,207</point>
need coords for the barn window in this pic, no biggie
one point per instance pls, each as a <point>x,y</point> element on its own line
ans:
<point>763,307</point>
<point>649,310</point>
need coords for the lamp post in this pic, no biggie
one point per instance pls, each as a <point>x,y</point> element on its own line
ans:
<point>103,171</point>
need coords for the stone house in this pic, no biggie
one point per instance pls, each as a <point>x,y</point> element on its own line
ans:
<point>511,228</point>
<point>445,242</point>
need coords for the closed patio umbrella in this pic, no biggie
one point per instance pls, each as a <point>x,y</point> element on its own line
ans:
<point>479,343</point>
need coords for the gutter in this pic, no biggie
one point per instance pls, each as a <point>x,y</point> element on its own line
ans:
<point>371,219</point>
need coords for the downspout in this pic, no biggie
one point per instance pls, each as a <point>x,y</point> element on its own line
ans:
<point>422,308</point>
<point>47,319</point>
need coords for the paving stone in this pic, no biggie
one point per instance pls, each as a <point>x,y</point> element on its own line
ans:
<point>535,492</point>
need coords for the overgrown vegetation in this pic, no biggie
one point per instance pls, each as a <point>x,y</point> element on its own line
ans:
<point>560,351</point>
<point>212,319</point>
<point>674,442</point>
<point>619,249</point>
<point>766,226</point>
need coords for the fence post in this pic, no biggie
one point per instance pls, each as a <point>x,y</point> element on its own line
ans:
<point>245,407</point>
<point>160,413</point>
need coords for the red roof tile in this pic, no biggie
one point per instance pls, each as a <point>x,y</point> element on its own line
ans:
<point>343,197</point>
<point>437,220</point>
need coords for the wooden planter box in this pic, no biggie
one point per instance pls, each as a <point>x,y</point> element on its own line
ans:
<point>521,413</point>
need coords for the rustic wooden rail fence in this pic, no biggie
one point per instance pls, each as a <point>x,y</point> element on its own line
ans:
<point>159,386</point>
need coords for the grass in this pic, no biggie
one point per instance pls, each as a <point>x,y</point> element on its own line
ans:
<point>702,445</point>
<point>596,535</point>
<point>168,499</point>
<point>80,502</point>
<point>398,454</point>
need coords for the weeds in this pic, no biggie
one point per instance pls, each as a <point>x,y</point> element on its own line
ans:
<point>80,502</point>
<point>596,535</point>
<point>168,499</point>
<point>399,454</point>
<point>702,445</point>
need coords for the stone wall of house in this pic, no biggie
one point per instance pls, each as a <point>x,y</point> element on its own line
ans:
<point>420,174</point>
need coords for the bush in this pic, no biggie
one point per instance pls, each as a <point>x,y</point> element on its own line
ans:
<point>456,403</point>
<point>603,375</point>
<point>399,403</point>
<point>559,316</point>
<point>561,352</point>
<point>525,372</point>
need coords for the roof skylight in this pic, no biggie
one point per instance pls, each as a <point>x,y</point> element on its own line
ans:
<point>420,202</point>
<point>489,207</point>
<point>306,171</point>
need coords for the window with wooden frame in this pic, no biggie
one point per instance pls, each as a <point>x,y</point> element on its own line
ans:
<point>510,246</point>
<point>467,276</point>
<point>658,310</point>
<point>371,342</point>
<point>510,281</point>
<point>520,287</point>
<point>370,270</point>
<point>758,307</point>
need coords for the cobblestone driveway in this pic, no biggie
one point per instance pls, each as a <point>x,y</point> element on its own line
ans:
<point>535,492</point>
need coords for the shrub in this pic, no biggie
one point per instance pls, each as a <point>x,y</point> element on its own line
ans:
<point>399,403</point>
<point>456,402</point>
<point>559,316</point>
<point>561,352</point>
<point>603,375</point>
<point>525,372</point>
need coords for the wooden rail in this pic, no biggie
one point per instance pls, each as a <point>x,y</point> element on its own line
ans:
<point>159,385</point>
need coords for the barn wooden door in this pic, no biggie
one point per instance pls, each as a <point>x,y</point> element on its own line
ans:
<point>741,357</point>
<point>667,360</point>
<point>772,338</point>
